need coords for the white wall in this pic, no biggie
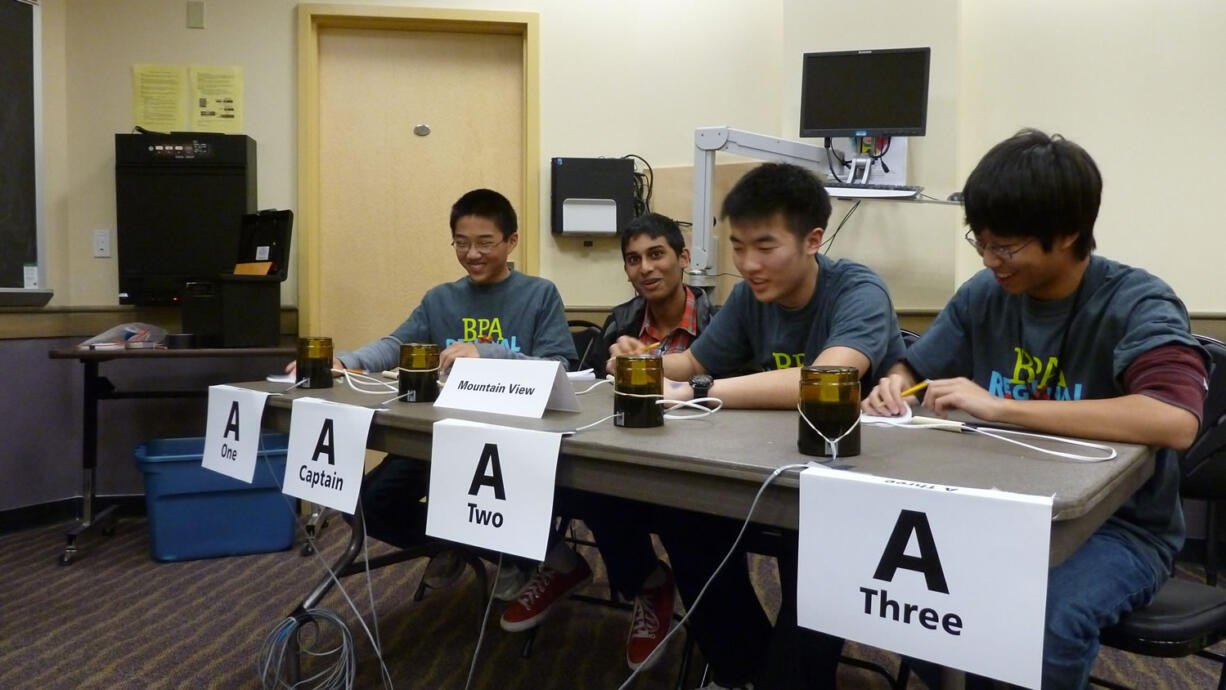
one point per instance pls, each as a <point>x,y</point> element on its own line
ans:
<point>616,78</point>
<point>1139,85</point>
<point>1136,82</point>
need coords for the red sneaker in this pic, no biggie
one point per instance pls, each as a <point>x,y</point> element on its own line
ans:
<point>653,618</point>
<point>545,589</point>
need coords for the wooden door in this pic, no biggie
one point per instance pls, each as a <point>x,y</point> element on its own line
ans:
<point>385,193</point>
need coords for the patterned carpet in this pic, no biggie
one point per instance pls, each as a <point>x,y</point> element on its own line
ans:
<point>118,619</point>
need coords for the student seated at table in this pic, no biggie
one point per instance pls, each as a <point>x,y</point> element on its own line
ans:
<point>527,322</point>
<point>1057,339</point>
<point>666,311</point>
<point>794,307</point>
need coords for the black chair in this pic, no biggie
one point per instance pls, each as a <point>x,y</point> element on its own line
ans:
<point>1187,617</point>
<point>588,345</point>
<point>908,337</point>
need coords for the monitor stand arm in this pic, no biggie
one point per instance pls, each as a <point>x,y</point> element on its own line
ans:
<point>859,166</point>
<point>707,140</point>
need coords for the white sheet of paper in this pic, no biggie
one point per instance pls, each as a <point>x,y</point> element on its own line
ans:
<point>327,452</point>
<point>519,387</point>
<point>492,486</point>
<point>988,551</point>
<point>904,418</point>
<point>232,431</point>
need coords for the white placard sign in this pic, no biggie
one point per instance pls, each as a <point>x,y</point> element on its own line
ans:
<point>492,486</point>
<point>948,574</point>
<point>232,432</point>
<point>327,452</point>
<point>519,387</point>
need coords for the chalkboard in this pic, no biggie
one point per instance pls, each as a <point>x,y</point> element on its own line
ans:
<point>18,198</point>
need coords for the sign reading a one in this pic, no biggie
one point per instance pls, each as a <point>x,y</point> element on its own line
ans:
<point>943,573</point>
<point>327,452</point>
<point>492,486</point>
<point>520,387</point>
<point>232,432</point>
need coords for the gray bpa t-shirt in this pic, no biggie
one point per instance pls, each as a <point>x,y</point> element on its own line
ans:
<point>850,308</point>
<point>1011,346</point>
<point>519,317</point>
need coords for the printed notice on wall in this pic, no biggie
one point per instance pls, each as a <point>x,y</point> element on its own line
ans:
<point>158,96</point>
<point>216,99</point>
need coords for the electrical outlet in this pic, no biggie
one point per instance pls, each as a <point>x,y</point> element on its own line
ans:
<point>102,243</point>
<point>195,14</point>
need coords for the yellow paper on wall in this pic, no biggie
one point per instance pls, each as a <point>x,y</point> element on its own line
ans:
<point>159,95</point>
<point>216,99</point>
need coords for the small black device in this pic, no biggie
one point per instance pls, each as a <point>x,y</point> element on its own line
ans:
<point>701,383</point>
<point>179,202</point>
<point>858,93</point>
<point>591,196</point>
<point>228,310</point>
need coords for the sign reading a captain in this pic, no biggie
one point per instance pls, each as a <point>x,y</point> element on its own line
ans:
<point>519,387</point>
<point>327,452</point>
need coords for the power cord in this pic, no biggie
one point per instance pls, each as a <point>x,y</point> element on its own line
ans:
<point>489,602</point>
<point>643,185</point>
<point>830,242</point>
<point>271,662</point>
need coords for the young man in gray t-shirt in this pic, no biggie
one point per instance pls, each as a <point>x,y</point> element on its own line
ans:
<point>492,312</point>
<point>1055,339</point>
<point>795,307</point>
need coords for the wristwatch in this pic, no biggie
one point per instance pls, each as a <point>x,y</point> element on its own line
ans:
<point>701,383</point>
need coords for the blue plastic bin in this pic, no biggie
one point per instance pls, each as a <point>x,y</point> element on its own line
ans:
<point>198,513</point>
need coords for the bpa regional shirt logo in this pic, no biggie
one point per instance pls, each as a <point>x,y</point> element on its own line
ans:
<point>1033,378</point>
<point>484,331</point>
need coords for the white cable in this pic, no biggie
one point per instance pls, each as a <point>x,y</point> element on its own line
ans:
<point>592,387</point>
<point>301,382</point>
<point>833,445</point>
<point>732,550</point>
<point>585,427</point>
<point>995,433</point>
<point>374,638</point>
<point>696,403</point>
<point>964,427</point>
<point>484,621</point>
<point>355,381</point>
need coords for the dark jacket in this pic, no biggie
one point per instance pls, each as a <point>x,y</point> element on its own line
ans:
<point>627,319</point>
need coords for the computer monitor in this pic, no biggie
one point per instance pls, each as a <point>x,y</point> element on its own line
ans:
<point>859,93</point>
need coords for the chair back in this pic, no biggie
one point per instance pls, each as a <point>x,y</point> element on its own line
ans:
<point>1203,465</point>
<point>587,336</point>
<point>908,337</point>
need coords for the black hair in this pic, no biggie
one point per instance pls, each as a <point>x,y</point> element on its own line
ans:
<point>655,226</point>
<point>488,204</point>
<point>779,188</point>
<point>1035,185</point>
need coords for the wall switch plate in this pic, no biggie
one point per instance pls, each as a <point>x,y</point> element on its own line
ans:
<point>102,243</point>
<point>195,14</point>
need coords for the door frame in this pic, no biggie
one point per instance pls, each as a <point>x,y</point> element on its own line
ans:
<point>314,18</point>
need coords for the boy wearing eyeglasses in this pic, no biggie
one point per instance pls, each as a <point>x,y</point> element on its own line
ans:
<point>493,312</point>
<point>1054,338</point>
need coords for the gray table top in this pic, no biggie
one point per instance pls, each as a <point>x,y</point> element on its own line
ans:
<point>716,464</point>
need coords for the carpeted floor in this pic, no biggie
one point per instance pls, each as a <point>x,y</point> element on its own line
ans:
<point>118,619</point>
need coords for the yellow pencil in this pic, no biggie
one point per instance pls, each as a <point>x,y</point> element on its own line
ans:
<point>653,346</point>
<point>915,389</point>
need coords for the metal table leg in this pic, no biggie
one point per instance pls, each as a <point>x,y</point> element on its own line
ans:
<point>96,388</point>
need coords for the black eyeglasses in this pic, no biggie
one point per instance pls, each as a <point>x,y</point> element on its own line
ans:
<point>483,246</point>
<point>1005,253</point>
